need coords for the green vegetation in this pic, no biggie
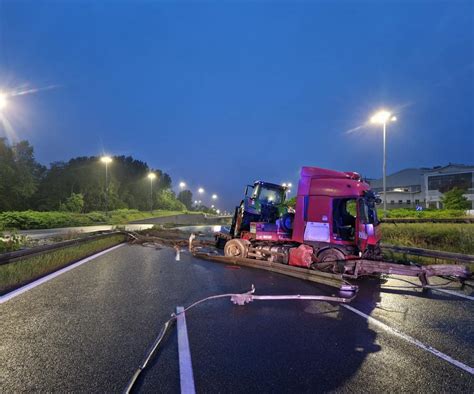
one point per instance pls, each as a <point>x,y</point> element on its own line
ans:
<point>27,220</point>
<point>74,203</point>
<point>11,242</point>
<point>455,199</point>
<point>15,274</point>
<point>79,185</point>
<point>455,237</point>
<point>425,214</point>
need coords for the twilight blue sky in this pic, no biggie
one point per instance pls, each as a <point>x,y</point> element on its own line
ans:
<point>221,93</point>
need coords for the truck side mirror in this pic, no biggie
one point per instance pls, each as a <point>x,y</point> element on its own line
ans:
<point>378,201</point>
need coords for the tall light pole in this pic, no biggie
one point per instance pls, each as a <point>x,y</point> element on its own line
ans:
<point>151,177</point>
<point>106,160</point>
<point>383,117</point>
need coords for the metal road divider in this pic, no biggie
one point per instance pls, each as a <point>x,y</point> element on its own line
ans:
<point>11,257</point>
<point>436,254</point>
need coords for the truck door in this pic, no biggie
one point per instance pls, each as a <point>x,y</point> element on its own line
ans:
<point>361,235</point>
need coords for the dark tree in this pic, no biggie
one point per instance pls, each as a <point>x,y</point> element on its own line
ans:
<point>186,197</point>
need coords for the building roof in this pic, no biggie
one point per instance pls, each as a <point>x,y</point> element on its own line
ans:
<point>414,176</point>
<point>451,167</point>
<point>407,177</point>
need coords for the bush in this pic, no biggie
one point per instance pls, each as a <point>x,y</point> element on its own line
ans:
<point>455,199</point>
<point>74,203</point>
<point>167,200</point>
<point>27,220</point>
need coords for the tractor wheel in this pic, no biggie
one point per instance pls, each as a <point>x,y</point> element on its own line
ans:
<point>236,248</point>
<point>286,222</point>
<point>328,260</point>
<point>220,242</point>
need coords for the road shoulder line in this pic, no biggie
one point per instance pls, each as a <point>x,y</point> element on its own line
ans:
<point>412,340</point>
<point>454,293</point>
<point>44,279</point>
<point>185,365</point>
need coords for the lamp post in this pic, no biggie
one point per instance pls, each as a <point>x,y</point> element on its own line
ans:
<point>383,117</point>
<point>151,177</point>
<point>106,160</point>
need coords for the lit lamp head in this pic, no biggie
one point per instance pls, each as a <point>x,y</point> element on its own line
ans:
<point>151,176</point>
<point>106,159</point>
<point>182,185</point>
<point>3,100</point>
<point>200,190</point>
<point>214,196</point>
<point>382,117</point>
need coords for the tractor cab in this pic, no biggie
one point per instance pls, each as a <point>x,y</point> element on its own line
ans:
<point>263,202</point>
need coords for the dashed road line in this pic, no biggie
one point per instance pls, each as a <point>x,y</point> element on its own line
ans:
<point>411,340</point>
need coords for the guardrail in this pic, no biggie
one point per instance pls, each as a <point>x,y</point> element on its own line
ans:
<point>427,220</point>
<point>436,254</point>
<point>10,257</point>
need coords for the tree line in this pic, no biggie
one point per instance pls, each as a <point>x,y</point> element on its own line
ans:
<point>79,184</point>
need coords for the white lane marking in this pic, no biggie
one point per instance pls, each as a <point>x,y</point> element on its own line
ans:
<point>29,286</point>
<point>185,366</point>
<point>454,293</point>
<point>412,340</point>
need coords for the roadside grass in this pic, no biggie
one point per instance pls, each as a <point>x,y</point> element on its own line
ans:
<point>18,273</point>
<point>32,220</point>
<point>406,258</point>
<point>449,237</point>
<point>405,213</point>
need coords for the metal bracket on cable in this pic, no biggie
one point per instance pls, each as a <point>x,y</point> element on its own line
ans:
<point>245,298</point>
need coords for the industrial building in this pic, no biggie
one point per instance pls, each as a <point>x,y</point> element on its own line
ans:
<point>424,186</point>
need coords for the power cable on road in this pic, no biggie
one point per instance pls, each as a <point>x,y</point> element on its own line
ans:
<point>236,298</point>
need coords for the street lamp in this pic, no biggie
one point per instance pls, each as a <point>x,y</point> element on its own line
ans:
<point>151,177</point>
<point>214,196</point>
<point>106,160</point>
<point>382,117</point>
<point>200,190</point>
<point>182,185</point>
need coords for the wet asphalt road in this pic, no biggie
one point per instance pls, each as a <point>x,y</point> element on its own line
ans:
<point>88,329</point>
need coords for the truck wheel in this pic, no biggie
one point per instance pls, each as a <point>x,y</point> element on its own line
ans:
<point>328,259</point>
<point>236,248</point>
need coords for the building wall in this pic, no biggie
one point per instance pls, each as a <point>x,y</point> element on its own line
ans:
<point>437,182</point>
<point>403,190</point>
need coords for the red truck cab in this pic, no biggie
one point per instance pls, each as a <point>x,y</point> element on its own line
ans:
<point>336,209</point>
